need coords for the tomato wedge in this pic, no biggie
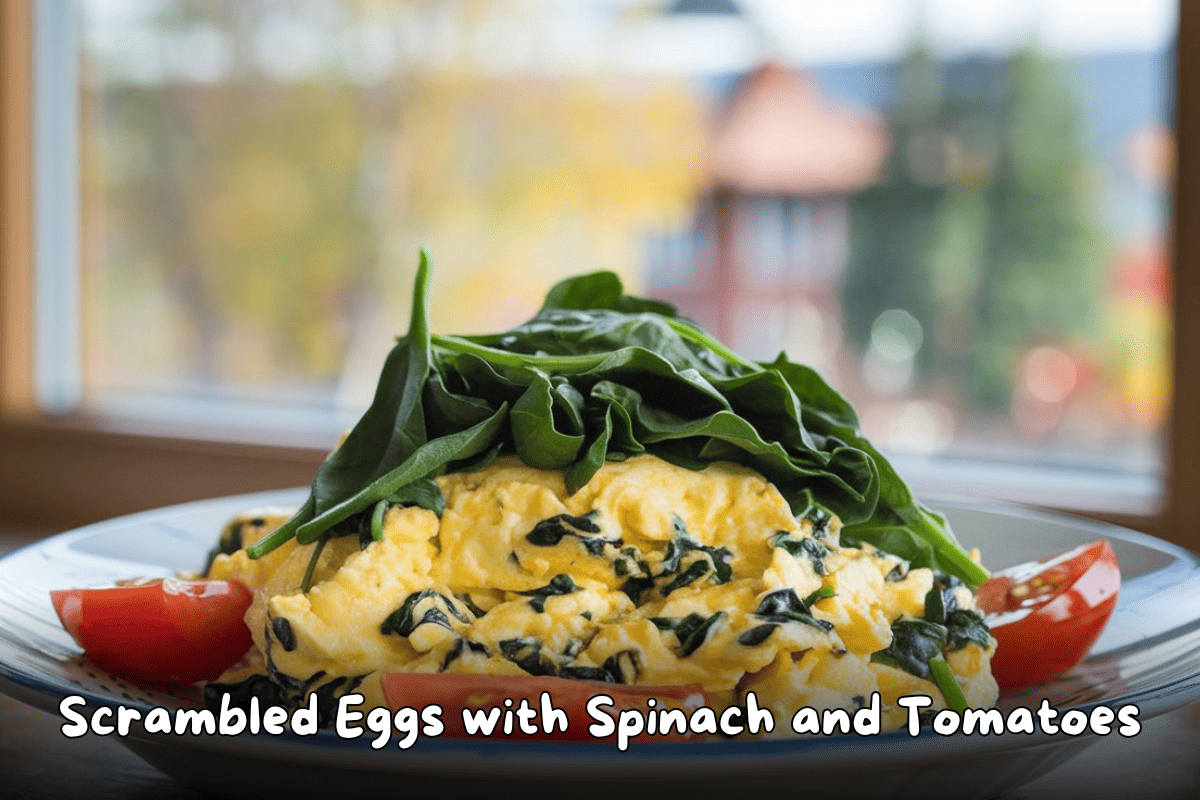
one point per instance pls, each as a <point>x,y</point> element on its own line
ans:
<point>164,631</point>
<point>1046,614</point>
<point>456,692</point>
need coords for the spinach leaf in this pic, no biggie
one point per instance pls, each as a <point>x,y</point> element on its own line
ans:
<point>914,643</point>
<point>403,621</point>
<point>694,571</point>
<point>594,455</point>
<point>364,456</point>
<point>597,375</point>
<point>559,585</point>
<point>940,674</point>
<point>756,635</point>
<point>818,516</point>
<point>918,644</point>
<point>526,653</point>
<point>963,627</point>
<point>547,423</point>
<point>622,667</point>
<point>423,493</point>
<point>551,531</point>
<point>600,290</point>
<point>691,631</point>
<point>636,586</point>
<point>782,606</point>
<point>713,559</point>
<point>941,599</point>
<point>425,460</point>
<point>896,511</point>
<point>466,600</point>
<point>459,648</point>
<point>809,547</point>
<point>281,629</point>
<point>820,594</point>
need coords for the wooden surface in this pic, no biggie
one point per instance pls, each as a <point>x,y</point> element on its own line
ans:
<point>16,206</point>
<point>120,471</point>
<point>1183,442</point>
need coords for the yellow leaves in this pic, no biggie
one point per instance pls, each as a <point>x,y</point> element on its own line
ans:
<point>279,218</point>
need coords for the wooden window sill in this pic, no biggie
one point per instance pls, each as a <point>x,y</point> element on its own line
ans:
<point>72,470</point>
<point>68,471</point>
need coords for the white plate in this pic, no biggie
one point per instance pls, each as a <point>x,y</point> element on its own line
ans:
<point>1149,655</point>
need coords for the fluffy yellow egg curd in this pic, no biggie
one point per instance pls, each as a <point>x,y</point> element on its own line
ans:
<point>650,574</point>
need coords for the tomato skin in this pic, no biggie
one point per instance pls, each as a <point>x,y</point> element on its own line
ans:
<point>1046,615</point>
<point>165,631</point>
<point>455,692</point>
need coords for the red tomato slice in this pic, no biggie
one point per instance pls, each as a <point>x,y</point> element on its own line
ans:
<point>1046,614</point>
<point>456,692</point>
<point>165,631</point>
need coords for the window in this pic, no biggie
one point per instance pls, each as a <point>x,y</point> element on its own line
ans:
<point>958,213</point>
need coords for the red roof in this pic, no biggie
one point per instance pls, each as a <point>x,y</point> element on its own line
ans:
<point>779,135</point>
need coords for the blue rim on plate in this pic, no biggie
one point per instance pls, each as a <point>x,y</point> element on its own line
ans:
<point>1149,656</point>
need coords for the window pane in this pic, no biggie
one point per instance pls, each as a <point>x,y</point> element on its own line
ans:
<point>259,178</point>
<point>956,210</point>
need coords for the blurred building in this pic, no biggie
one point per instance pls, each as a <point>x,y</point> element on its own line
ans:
<point>769,242</point>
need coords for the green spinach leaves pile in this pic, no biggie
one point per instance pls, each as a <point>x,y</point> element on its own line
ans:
<point>599,375</point>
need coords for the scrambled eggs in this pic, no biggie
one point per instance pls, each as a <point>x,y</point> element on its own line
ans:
<point>650,574</point>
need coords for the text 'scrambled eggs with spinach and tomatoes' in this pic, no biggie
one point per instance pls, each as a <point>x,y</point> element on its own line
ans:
<point>605,494</point>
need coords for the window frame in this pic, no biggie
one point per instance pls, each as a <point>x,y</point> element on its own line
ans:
<point>68,467</point>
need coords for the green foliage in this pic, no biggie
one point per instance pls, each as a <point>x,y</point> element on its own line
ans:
<point>982,227</point>
<point>576,386</point>
<point>1038,275</point>
<point>894,223</point>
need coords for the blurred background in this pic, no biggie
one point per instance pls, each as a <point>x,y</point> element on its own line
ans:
<point>957,210</point>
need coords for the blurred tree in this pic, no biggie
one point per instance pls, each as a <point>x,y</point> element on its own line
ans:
<point>262,224</point>
<point>1043,269</point>
<point>982,226</point>
<point>246,202</point>
<point>894,224</point>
